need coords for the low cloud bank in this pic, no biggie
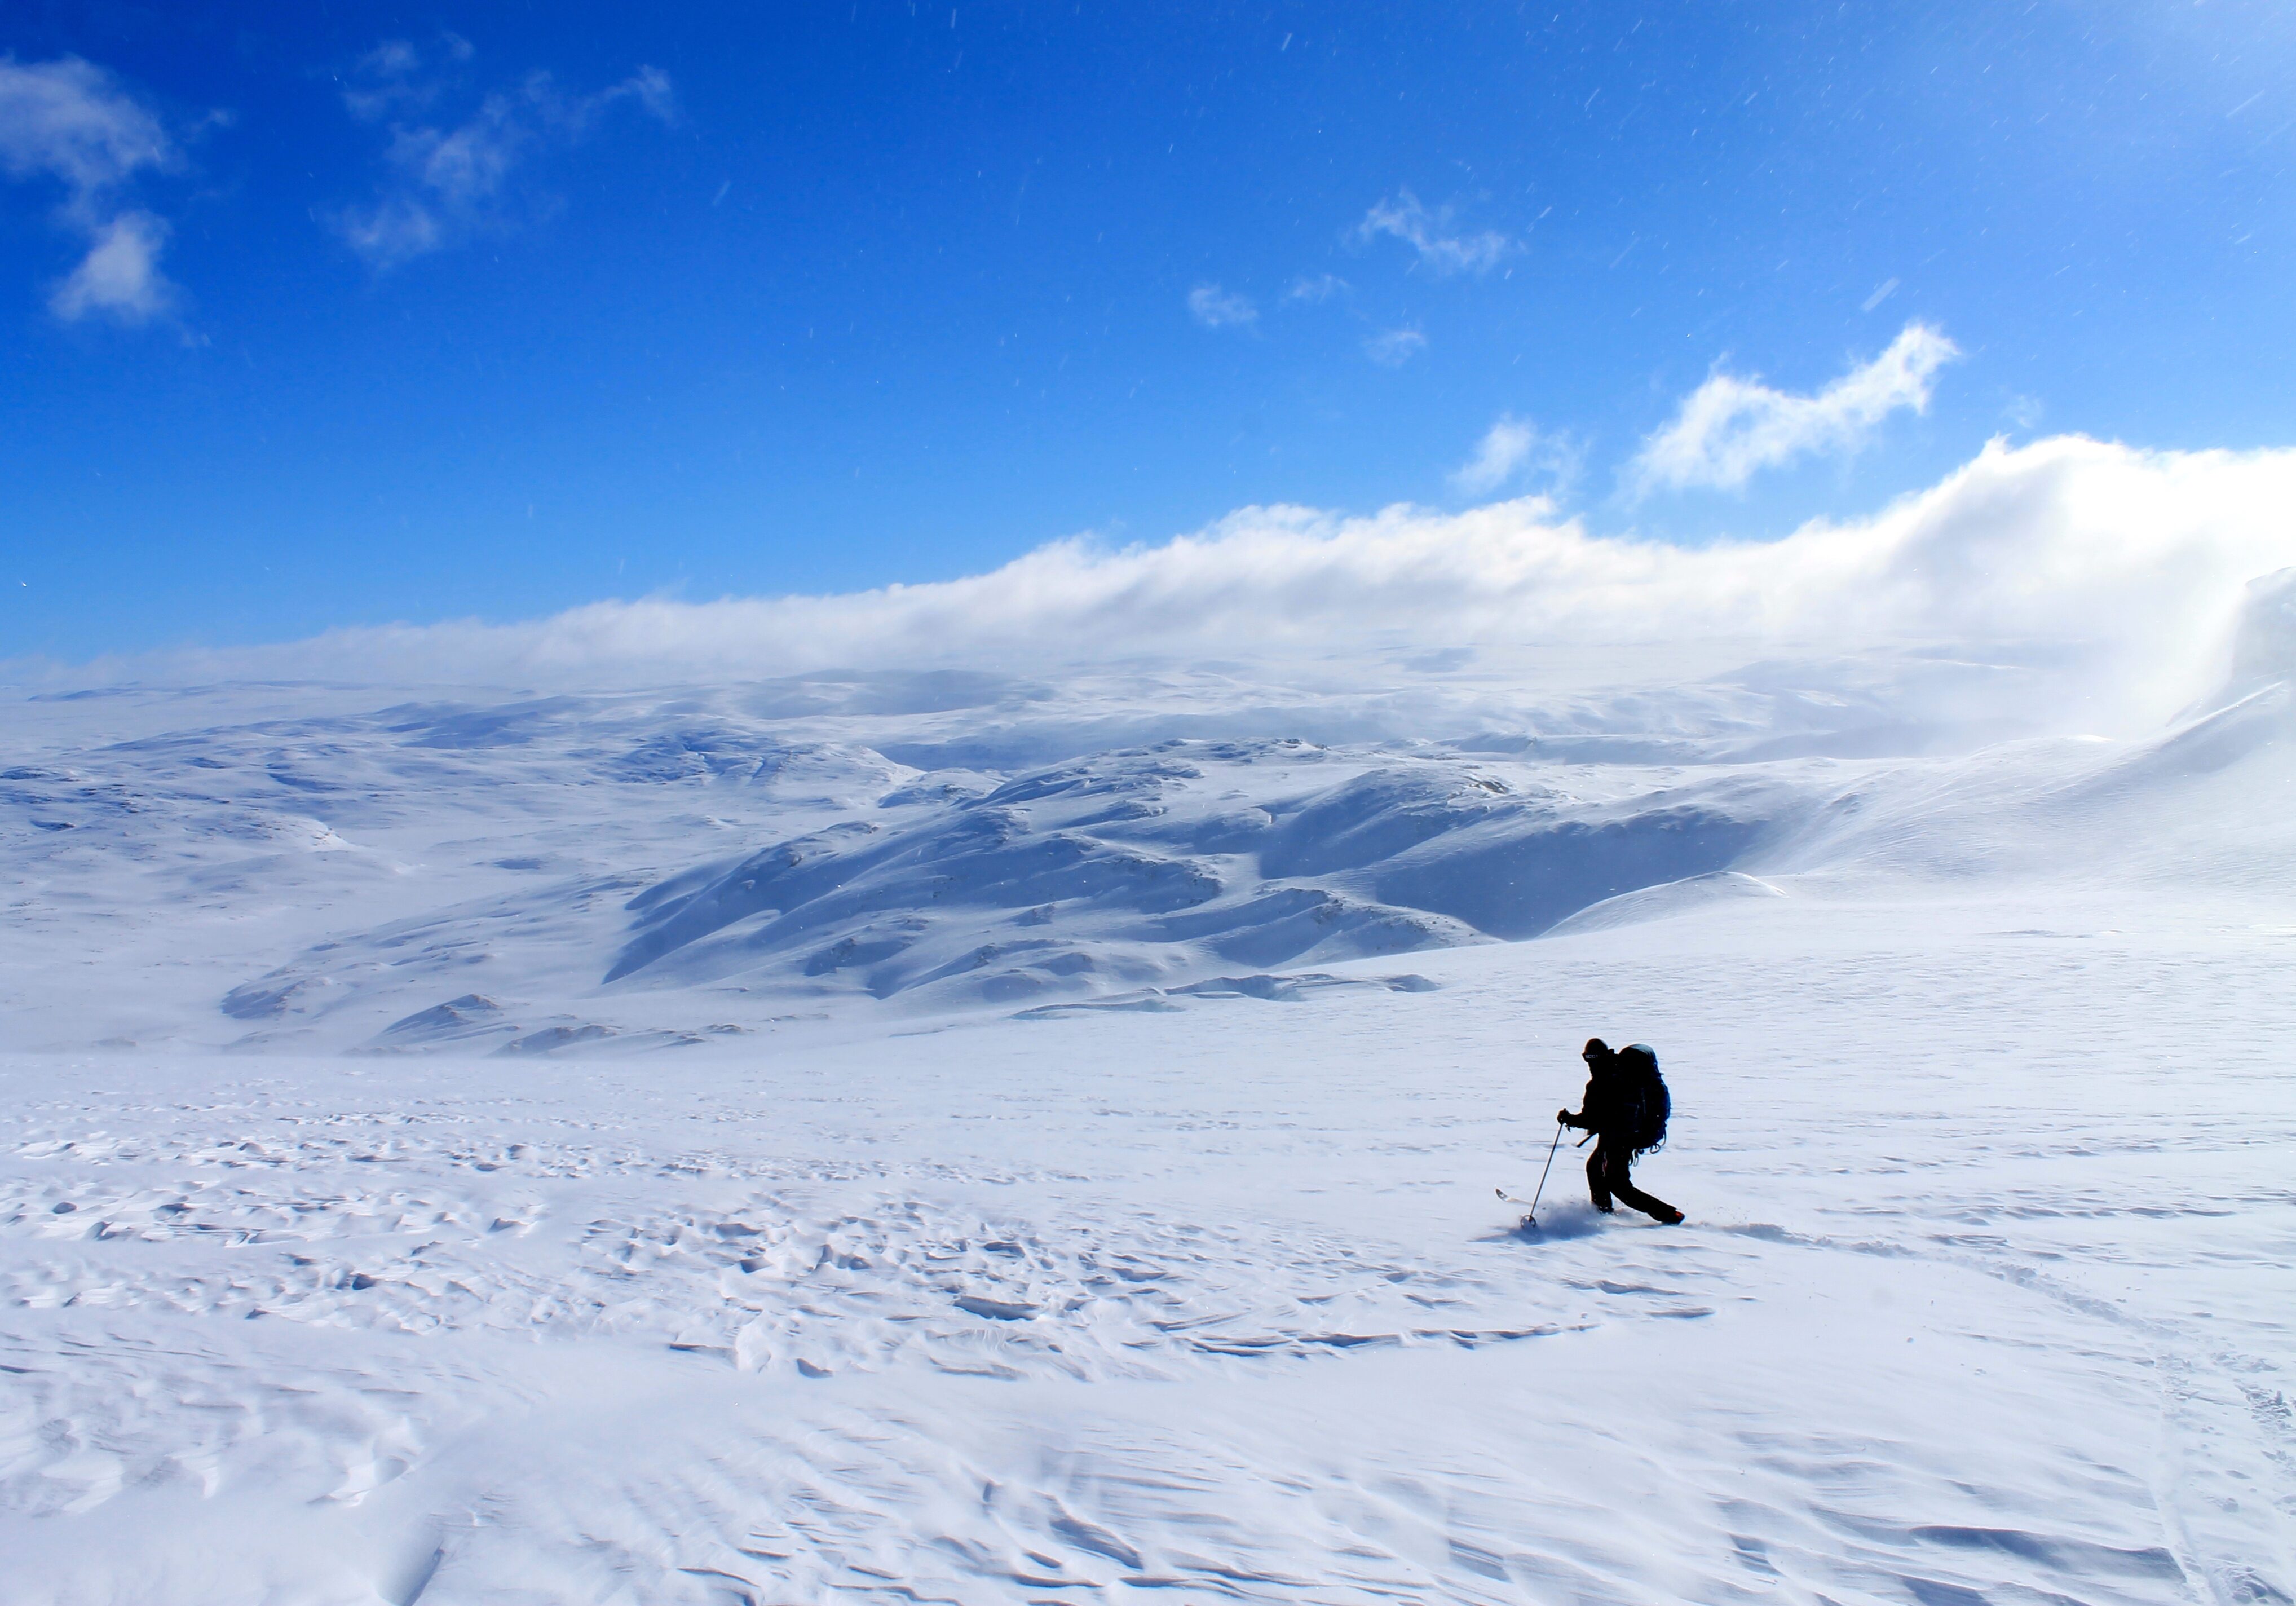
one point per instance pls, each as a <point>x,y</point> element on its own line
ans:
<point>2133,563</point>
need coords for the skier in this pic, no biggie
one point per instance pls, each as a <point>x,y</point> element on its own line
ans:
<point>1616,1109</point>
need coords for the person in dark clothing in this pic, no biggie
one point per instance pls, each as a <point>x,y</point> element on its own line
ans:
<point>1606,1112</point>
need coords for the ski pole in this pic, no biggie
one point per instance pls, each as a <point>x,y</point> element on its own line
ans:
<point>1551,1148</point>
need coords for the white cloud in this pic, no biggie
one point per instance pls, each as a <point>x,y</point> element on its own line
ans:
<point>447,182</point>
<point>393,230</point>
<point>120,277</point>
<point>2137,559</point>
<point>1217,309</point>
<point>1729,428</point>
<point>651,88</point>
<point>1316,288</point>
<point>394,61</point>
<point>1511,447</point>
<point>1428,232</point>
<point>1393,347</point>
<point>392,77</point>
<point>71,121</point>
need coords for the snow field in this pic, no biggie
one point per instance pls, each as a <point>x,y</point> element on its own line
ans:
<point>941,1138</point>
<point>1983,1296</point>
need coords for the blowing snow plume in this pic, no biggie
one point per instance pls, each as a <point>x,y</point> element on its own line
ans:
<point>2128,562</point>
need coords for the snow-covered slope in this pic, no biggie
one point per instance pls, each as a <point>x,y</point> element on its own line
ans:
<point>976,1138</point>
<point>613,871</point>
<point>1984,1295</point>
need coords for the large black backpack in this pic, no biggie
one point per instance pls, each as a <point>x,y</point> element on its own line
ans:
<point>1648,1103</point>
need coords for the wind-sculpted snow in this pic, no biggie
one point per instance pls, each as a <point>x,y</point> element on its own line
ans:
<point>618,871</point>
<point>1665,900</point>
<point>1132,866</point>
<point>1112,872</point>
<point>1514,866</point>
<point>979,855</point>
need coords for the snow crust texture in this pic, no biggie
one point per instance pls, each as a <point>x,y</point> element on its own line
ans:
<point>1984,1297</point>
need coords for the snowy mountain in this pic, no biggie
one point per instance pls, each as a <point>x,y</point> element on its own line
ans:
<point>648,869</point>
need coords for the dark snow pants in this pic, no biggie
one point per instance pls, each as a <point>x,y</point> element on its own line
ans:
<point>1606,1174</point>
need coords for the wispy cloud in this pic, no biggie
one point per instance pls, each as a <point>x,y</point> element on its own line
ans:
<point>1315,288</point>
<point>1729,428</point>
<point>120,277</point>
<point>1430,234</point>
<point>1393,347</point>
<point>394,77</point>
<point>71,121</point>
<point>2139,555</point>
<point>1217,309</point>
<point>1515,447</point>
<point>449,180</point>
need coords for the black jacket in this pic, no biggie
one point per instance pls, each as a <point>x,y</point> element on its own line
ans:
<point>1605,1108</point>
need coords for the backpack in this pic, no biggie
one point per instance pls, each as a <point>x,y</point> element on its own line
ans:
<point>1648,1102</point>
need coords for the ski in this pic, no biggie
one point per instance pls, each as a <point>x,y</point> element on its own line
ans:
<point>1528,1224</point>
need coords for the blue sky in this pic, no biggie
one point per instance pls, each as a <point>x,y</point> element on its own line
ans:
<point>315,318</point>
